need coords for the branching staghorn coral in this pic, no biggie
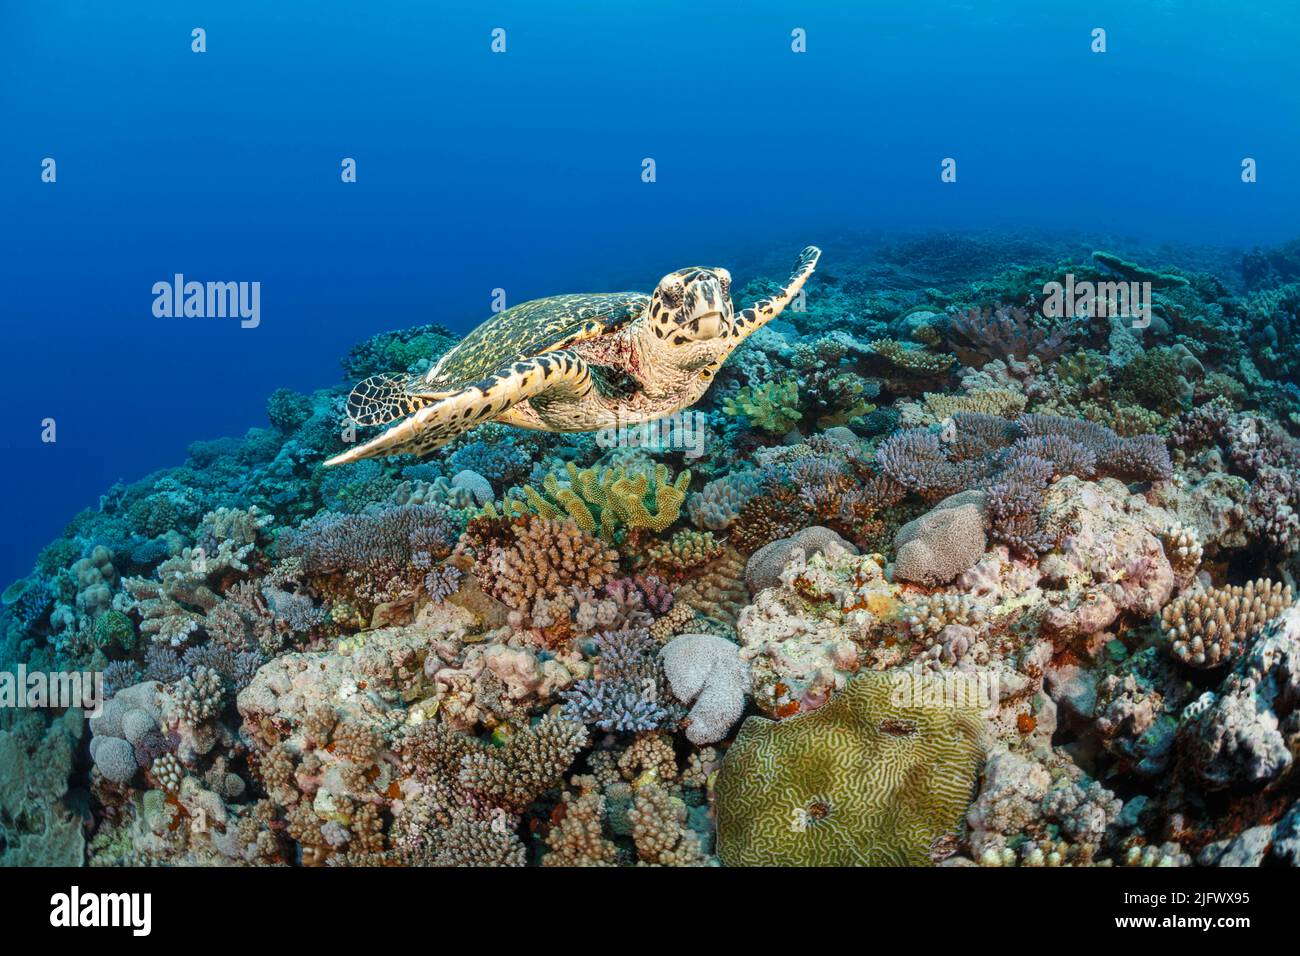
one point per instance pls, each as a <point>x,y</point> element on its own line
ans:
<point>1261,450</point>
<point>578,838</point>
<point>818,482</point>
<point>718,590</point>
<point>626,603</point>
<point>916,361</point>
<point>1202,425</point>
<point>629,692</point>
<point>659,829</point>
<point>532,565</point>
<point>717,505</point>
<point>687,551</point>
<point>458,802</point>
<point>1014,461</point>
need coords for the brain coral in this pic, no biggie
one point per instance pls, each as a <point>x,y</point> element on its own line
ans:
<point>865,780</point>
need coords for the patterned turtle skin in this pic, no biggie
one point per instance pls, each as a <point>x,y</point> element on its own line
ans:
<point>571,363</point>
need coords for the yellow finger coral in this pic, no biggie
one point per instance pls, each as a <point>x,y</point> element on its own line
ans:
<point>611,501</point>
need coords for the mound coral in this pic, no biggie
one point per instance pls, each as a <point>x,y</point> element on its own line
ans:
<point>943,542</point>
<point>706,672</point>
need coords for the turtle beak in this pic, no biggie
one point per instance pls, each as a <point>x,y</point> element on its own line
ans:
<point>707,326</point>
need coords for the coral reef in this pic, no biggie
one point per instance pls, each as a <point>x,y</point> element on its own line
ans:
<point>945,580</point>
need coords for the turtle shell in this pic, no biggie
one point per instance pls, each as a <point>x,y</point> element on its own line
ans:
<point>532,328</point>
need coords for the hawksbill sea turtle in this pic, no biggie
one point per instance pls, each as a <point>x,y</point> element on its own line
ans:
<point>571,363</point>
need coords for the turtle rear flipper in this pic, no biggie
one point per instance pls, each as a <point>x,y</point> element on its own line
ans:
<point>440,418</point>
<point>381,399</point>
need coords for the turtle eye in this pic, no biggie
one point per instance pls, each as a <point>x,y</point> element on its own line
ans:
<point>724,280</point>
<point>673,291</point>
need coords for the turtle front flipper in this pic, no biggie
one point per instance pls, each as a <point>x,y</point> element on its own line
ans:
<point>749,321</point>
<point>560,375</point>
<point>381,399</point>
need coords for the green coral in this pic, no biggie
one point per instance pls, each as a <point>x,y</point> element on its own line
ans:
<point>57,555</point>
<point>849,392</point>
<point>686,550</point>
<point>114,629</point>
<point>878,776</point>
<point>404,349</point>
<point>608,502</point>
<point>36,760</point>
<point>1076,370</point>
<point>772,406</point>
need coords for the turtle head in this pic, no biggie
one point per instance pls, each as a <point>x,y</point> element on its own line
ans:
<point>691,316</point>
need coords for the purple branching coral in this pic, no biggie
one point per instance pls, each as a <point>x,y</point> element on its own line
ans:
<point>119,674</point>
<point>1014,500</point>
<point>917,459</point>
<point>1137,458</point>
<point>1202,425</point>
<point>376,557</point>
<point>718,503</point>
<point>1064,455</point>
<point>378,542</point>
<point>162,664</point>
<point>648,592</point>
<point>235,667</point>
<point>629,693</point>
<point>1014,461</point>
<point>443,581</point>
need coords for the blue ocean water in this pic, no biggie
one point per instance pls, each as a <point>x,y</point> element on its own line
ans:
<point>522,171</point>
